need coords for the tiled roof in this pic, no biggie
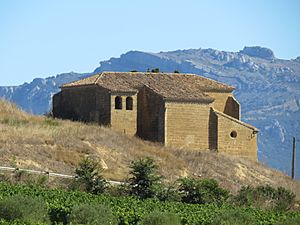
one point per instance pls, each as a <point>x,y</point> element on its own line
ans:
<point>175,86</point>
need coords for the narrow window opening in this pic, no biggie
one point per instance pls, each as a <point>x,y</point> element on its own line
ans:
<point>233,134</point>
<point>129,103</point>
<point>118,102</point>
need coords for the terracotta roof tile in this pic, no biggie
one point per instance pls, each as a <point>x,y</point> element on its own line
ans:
<point>169,85</point>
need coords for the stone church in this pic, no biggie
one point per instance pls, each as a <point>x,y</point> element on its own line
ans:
<point>178,110</point>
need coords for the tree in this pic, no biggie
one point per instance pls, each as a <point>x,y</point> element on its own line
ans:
<point>155,70</point>
<point>176,71</point>
<point>89,175</point>
<point>145,180</point>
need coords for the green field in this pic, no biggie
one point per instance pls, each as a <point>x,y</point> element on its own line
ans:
<point>129,210</point>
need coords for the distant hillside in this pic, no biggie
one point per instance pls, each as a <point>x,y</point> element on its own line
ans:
<point>267,88</point>
<point>36,96</point>
<point>37,142</point>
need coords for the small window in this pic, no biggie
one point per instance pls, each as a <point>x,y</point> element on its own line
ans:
<point>118,102</point>
<point>233,134</point>
<point>129,103</point>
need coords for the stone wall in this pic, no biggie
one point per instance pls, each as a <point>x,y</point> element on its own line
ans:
<point>76,104</point>
<point>226,103</point>
<point>103,106</point>
<point>213,130</point>
<point>232,108</point>
<point>220,99</point>
<point>235,138</point>
<point>187,125</point>
<point>123,120</point>
<point>151,115</point>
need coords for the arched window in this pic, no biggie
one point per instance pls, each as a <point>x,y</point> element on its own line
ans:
<point>129,103</point>
<point>118,102</point>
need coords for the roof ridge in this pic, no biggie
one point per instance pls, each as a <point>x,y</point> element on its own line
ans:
<point>170,74</point>
<point>98,78</point>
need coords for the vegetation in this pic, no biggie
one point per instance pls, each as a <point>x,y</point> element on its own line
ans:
<point>145,180</point>
<point>289,221</point>
<point>92,214</point>
<point>89,176</point>
<point>202,191</point>
<point>160,218</point>
<point>155,70</point>
<point>59,146</point>
<point>266,197</point>
<point>129,210</point>
<point>24,208</point>
<point>233,217</point>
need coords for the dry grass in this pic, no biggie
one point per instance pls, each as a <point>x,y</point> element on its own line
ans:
<point>37,142</point>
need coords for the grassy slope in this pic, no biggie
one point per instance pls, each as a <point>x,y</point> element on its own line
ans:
<point>39,143</point>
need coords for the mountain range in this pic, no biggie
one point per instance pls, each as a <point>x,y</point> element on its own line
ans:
<point>268,89</point>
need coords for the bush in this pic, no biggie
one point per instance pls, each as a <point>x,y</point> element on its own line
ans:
<point>233,217</point>
<point>145,181</point>
<point>289,221</point>
<point>202,191</point>
<point>118,190</point>
<point>92,214</point>
<point>89,176</point>
<point>155,70</point>
<point>24,208</point>
<point>160,218</point>
<point>168,193</point>
<point>265,197</point>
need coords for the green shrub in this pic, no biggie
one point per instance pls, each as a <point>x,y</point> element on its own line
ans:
<point>24,208</point>
<point>289,221</point>
<point>92,214</point>
<point>118,190</point>
<point>168,192</point>
<point>265,197</point>
<point>285,199</point>
<point>160,218</point>
<point>89,176</point>
<point>233,217</point>
<point>202,191</point>
<point>145,180</point>
<point>155,70</point>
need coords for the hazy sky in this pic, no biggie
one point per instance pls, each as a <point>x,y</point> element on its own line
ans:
<point>40,38</point>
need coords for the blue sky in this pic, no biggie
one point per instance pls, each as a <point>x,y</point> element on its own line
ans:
<point>41,38</point>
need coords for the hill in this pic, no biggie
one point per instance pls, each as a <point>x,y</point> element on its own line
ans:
<point>38,142</point>
<point>268,89</point>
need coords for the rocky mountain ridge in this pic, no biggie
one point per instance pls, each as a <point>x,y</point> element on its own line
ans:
<point>268,89</point>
